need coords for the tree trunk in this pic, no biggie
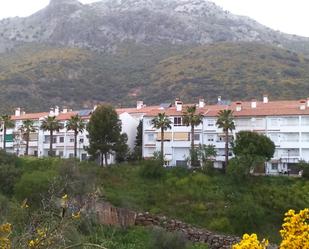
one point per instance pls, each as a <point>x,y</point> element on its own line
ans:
<point>101,159</point>
<point>226,150</point>
<point>27,144</point>
<point>105,157</point>
<point>4,135</point>
<point>193,154</point>
<point>75,143</point>
<point>162,146</point>
<point>51,143</point>
<point>192,137</point>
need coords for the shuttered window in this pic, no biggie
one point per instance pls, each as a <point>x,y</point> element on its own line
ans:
<point>181,136</point>
<point>33,136</point>
<point>167,136</point>
<point>9,138</point>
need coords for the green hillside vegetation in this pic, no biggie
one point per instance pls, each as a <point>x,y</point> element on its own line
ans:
<point>235,71</point>
<point>215,202</point>
<point>30,194</point>
<point>37,76</point>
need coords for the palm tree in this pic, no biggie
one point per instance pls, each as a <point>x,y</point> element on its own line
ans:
<point>163,123</point>
<point>51,124</point>
<point>6,124</point>
<point>191,118</point>
<point>26,129</point>
<point>226,122</point>
<point>77,125</point>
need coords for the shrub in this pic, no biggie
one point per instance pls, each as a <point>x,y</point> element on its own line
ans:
<point>161,239</point>
<point>251,242</point>
<point>295,232</point>
<point>9,175</point>
<point>304,166</point>
<point>33,186</point>
<point>152,169</point>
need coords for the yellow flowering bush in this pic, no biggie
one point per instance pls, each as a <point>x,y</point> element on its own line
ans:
<point>295,230</point>
<point>251,242</point>
<point>294,233</point>
<point>5,231</point>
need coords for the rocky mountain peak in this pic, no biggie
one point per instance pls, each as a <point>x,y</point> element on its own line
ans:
<point>62,2</point>
<point>103,25</point>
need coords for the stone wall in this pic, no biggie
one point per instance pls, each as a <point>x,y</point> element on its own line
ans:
<point>214,240</point>
<point>109,215</point>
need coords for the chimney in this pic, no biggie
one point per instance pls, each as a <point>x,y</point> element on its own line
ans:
<point>56,110</point>
<point>253,103</point>
<point>178,105</point>
<point>139,104</point>
<point>201,103</point>
<point>302,104</point>
<point>17,112</point>
<point>238,106</point>
<point>51,112</point>
<point>265,98</point>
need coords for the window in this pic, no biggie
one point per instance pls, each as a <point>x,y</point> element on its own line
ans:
<point>61,140</point>
<point>60,153</point>
<point>274,166</point>
<point>196,137</point>
<point>166,163</point>
<point>181,163</point>
<point>71,139</point>
<point>51,153</point>
<point>46,139</point>
<point>35,153</point>
<point>177,121</point>
<point>81,140</point>
<point>54,140</point>
<point>71,155</point>
<point>9,138</point>
<point>150,137</point>
<point>181,136</point>
<point>33,136</point>
<point>210,122</point>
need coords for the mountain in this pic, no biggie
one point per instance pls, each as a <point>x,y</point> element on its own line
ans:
<point>102,26</point>
<point>119,51</point>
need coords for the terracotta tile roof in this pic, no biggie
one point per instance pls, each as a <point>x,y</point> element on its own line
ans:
<point>133,110</point>
<point>32,116</point>
<point>272,108</point>
<point>66,116</point>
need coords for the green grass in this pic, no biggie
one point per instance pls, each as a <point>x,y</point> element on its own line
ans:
<point>214,202</point>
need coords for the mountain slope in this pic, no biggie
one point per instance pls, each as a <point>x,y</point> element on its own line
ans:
<point>119,51</point>
<point>236,71</point>
<point>37,77</point>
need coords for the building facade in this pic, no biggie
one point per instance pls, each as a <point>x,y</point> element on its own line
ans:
<point>286,123</point>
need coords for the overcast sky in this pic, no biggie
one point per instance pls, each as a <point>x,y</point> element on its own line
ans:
<point>284,15</point>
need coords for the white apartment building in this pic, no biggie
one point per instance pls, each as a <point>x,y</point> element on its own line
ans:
<point>286,123</point>
<point>63,141</point>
